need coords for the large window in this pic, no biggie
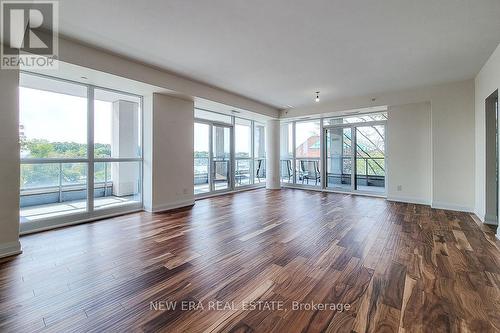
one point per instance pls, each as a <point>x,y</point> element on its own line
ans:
<point>216,167</point>
<point>353,153</point>
<point>60,148</point>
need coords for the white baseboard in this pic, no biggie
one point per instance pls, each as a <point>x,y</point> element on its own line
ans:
<point>10,249</point>
<point>479,215</point>
<point>448,206</point>
<point>172,205</point>
<point>413,200</point>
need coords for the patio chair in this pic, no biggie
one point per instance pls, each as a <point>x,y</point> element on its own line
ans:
<point>310,170</point>
<point>286,169</point>
<point>261,170</point>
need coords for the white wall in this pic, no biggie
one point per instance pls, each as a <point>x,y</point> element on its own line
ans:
<point>453,136</point>
<point>409,153</point>
<point>9,163</point>
<point>168,165</point>
<point>486,82</point>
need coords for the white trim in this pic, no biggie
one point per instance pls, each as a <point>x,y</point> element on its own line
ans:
<point>172,205</point>
<point>413,200</point>
<point>51,226</point>
<point>244,188</point>
<point>449,206</point>
<point>10,249</point>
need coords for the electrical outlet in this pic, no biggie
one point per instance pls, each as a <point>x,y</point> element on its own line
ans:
<point>400,187</point>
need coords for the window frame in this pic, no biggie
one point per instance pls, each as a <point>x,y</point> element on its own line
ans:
<point>90,213</point>
<point>232,125</point>
<point>323,128</point>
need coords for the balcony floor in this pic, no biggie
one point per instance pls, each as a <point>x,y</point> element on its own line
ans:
<point>34,213</point>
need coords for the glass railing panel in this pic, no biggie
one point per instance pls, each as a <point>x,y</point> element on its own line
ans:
<point>243,171</point>
<point>52,189</point>
<point>116,184</point>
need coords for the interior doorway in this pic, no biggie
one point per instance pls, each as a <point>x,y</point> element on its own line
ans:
<point>492,184</point>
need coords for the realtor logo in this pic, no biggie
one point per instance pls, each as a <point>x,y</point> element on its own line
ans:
<point>29,34</point>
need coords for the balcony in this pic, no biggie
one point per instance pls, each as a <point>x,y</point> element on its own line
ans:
<point>370,173</point>
<point>63,190</point>
<point>220,173</point>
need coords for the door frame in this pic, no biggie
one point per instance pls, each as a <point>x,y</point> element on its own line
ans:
<point>211,124</point>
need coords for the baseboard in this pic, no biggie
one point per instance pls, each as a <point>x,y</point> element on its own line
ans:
<point>10,249</point>
<point>448,206</point>
<point>490,219</point>
<point>479,215</point>
<point>172,205</point>
<point>413,200</point>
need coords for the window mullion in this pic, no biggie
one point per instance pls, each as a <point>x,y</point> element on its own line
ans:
<point>90,148</point>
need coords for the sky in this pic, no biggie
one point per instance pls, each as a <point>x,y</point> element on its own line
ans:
<point>62,118</point>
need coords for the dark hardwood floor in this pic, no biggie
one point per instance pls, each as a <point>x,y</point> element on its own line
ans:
<point>393,266</point>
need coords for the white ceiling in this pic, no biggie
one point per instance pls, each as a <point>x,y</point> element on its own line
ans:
<point>280,52</point>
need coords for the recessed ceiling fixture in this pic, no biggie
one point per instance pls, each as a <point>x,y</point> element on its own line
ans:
<point>317,96</point>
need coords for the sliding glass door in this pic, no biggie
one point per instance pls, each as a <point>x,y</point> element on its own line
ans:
<point>339,158</point>
<point>229,152</point>
<point>202,168</point>
<point>221,157</point>
<point>355,157</point>
<point>370,158</point>
<point>212,157</point>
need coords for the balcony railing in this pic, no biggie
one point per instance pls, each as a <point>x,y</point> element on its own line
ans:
<point>220,170</point>
<point>370,170</point>
<point>61,189</point>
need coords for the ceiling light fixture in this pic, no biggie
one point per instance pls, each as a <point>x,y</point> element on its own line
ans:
<point>317,96</point>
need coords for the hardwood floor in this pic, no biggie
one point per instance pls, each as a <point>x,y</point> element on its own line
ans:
<point>393,266</point>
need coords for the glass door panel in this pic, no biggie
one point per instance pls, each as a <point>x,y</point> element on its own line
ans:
<point>339,158</point>
<point>221,157</point>
<point>370,158</point>
<point>243,152</point>
<point>201,158</point>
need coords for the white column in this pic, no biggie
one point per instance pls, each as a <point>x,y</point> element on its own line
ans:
<point>168,160</point>
<point>273,154</point>
<point>125,143</point>
<point>9,163</point>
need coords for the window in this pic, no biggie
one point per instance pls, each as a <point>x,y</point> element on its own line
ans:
<point>259,152</point>
<point>229,152</point>
<point>243,152</point>
<point>308,152</point>
<point>212,116</point>
<point>201,158</point>
<point>362,118</point>
<point>286,153</point>
<point>117,138</point>
<point>56,158</point>
<point>352,153</point>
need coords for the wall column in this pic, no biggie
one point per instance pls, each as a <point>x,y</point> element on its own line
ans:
<point>9,163</point>
<point>168,161</point>
<point>273,154</point>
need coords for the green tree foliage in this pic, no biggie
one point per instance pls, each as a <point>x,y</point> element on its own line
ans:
<point>46,175</point>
